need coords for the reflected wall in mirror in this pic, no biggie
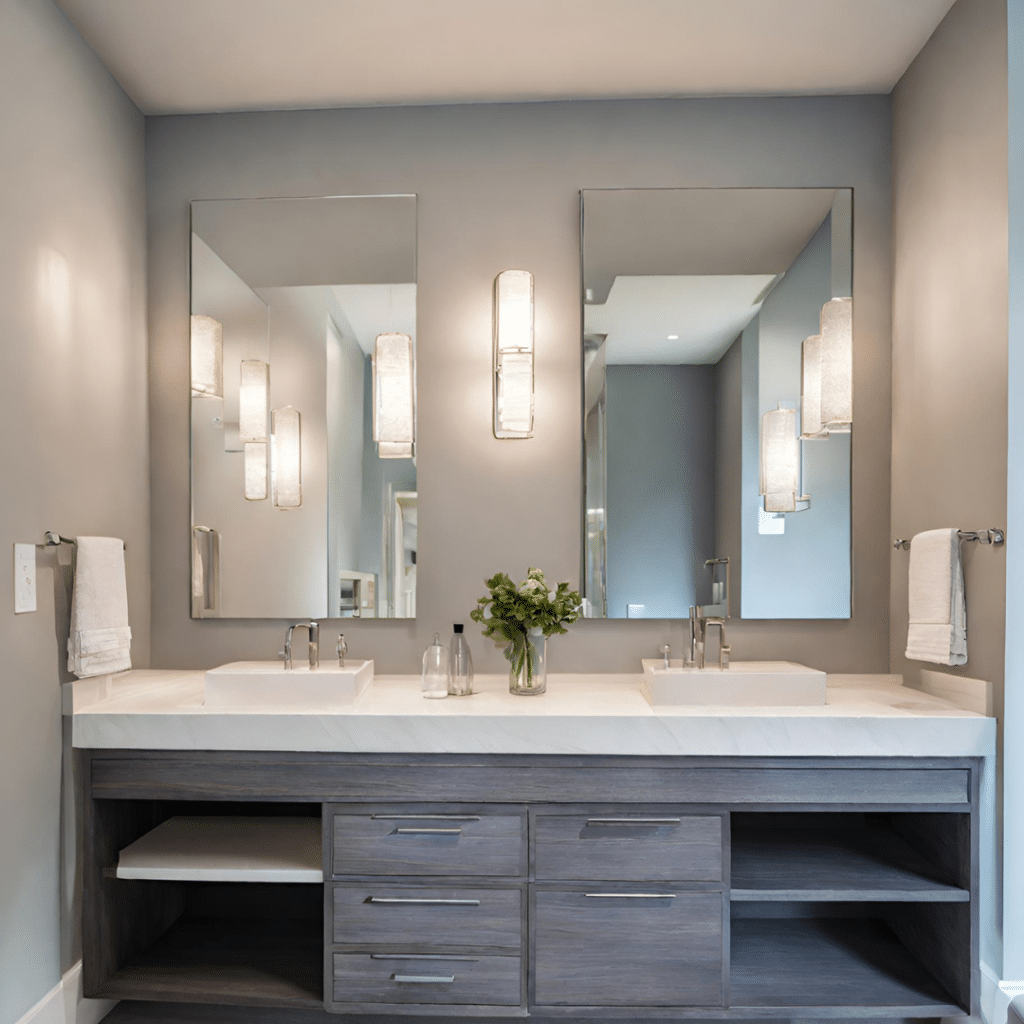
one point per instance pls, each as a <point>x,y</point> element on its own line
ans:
<point>294,511</point>
<point>696,303</point>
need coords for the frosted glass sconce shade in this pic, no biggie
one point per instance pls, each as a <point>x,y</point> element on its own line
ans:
<point>394,396</point>
<point>837,366</point>
<point>207,356</point>
<point>780,460</point>
<point>810,388</point>
<point>513,354</point>
<point>255,470</point>
<point>253,399</point>
<point>286,430</point>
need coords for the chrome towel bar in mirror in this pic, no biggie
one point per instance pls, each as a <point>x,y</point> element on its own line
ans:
<point>994,536</point>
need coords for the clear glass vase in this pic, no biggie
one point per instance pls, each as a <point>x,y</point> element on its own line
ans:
<point>528,674</point>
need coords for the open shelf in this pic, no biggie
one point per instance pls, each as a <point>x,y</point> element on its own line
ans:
<point>832,863</point>
<point>829,962</point>
<point>244,961</point>
<point>227,849</point>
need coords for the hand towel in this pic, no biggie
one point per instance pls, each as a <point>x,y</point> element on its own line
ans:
<point>100,640</point>
<point>938,612</point>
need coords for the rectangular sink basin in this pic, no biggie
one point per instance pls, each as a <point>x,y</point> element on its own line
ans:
<point>270,684</point>
<point>742,684</point>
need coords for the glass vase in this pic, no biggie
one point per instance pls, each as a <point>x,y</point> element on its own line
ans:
<point>528,674</point>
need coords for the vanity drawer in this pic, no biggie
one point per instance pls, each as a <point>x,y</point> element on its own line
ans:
<point>402,915</point>
<point>610,946</point>
<point>386,842</point>
<point>453,980</point>
<point>628,845</point>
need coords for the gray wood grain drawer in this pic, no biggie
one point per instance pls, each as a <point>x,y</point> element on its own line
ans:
<point>598,948</point>
<point>458,843</point>
<point>373,915</point>
<point>468,980</point>
<point>628,845</point>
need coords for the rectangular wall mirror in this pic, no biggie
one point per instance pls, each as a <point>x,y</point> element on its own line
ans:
<point>696,306</point>
<point>304,485</point>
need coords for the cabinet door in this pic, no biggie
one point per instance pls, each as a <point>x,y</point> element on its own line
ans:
<point>628,845</point>
<point>611,947</point>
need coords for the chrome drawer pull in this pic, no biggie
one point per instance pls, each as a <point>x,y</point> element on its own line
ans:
<point>420,900</point>
<point>427,832</point>
<point>425,817</point>
<point>634,821</point>
<point>422,979</point>
<point>630,895</point>
<point>423,956</point>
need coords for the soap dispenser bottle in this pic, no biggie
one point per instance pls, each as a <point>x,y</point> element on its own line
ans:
<point>435,670</point>
<point>460,664</point>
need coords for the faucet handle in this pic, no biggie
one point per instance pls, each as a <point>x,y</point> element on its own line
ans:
<point>342,650</point>
<point>665,650</point>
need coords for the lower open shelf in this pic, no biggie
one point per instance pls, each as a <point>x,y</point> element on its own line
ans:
<point>822,962</point>
<point>243,961</point>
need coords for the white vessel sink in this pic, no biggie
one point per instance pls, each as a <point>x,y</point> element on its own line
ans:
<point>742,684</point>
<point>270,684</point>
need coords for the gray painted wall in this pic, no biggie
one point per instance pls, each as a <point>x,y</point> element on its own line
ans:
<point>498,187</point>
<point>661,487</point>
<point>73,399</point>
<point>1013,699</point>
<point>949,436</point>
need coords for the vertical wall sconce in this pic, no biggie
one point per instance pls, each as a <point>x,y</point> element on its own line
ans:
<point>253,400</point>
<point>394,396</point>
<point>513,354</point>
<point>780,462</point>
<point>286,457</point>
<point>826,393</point>
<point>207,356</point>
<point>837,365</point>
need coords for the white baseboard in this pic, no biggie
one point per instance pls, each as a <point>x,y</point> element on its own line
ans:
<point>996,995</point>
<point>64,1003</point>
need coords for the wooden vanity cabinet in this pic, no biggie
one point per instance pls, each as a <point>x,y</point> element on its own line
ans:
<point>549,887</point>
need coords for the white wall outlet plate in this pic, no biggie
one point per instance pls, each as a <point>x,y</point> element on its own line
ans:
<point>24,578</point>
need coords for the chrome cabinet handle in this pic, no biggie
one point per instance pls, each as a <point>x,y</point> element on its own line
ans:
<point>420,900</point>
<point>423,979</point>
<point>425,817</point>
<point>630,895</point>
<point>634,821</point>
<point>427,832</point>
<point>424,956</point>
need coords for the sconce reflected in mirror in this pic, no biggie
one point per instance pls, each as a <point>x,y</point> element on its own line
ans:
<point>780,462</point>
<point>286,457</point>
<point>513,354</point>
<point>826,397</point>
<point>207,336</point>
<point>253,400</point>
<point>394,396</point>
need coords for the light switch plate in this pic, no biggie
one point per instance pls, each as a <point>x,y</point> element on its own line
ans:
<point>24,578</point>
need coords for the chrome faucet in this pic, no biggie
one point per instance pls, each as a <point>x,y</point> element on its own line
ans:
<point>666,653</point>
<point>314,643</point>
<point>341,650</point>
<point>700,619</point>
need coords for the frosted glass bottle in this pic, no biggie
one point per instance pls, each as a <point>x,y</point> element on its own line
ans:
<point>460,664</point>
<point>435,670</point>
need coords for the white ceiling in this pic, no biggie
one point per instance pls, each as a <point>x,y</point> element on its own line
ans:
<point>670,320</point>
<point>183,56</point>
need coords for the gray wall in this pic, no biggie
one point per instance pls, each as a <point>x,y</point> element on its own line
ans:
<point>949,444</point>
<point>75,460</point>
<point>1013,700</point>
<point>498,187</point>
<point>661,487</point>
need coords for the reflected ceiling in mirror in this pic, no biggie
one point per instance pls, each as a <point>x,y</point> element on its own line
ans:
<point>696,303</point>
<point>294,511</point>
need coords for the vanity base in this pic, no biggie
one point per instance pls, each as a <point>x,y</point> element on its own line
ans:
<point>549,887</point>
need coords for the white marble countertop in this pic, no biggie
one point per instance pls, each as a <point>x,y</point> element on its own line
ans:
<point>580,714</point>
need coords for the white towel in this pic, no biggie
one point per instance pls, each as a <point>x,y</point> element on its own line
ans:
<point>100,640</point>
<point>938,612</point>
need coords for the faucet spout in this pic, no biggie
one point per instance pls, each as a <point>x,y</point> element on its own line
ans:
<point>314,643</point>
